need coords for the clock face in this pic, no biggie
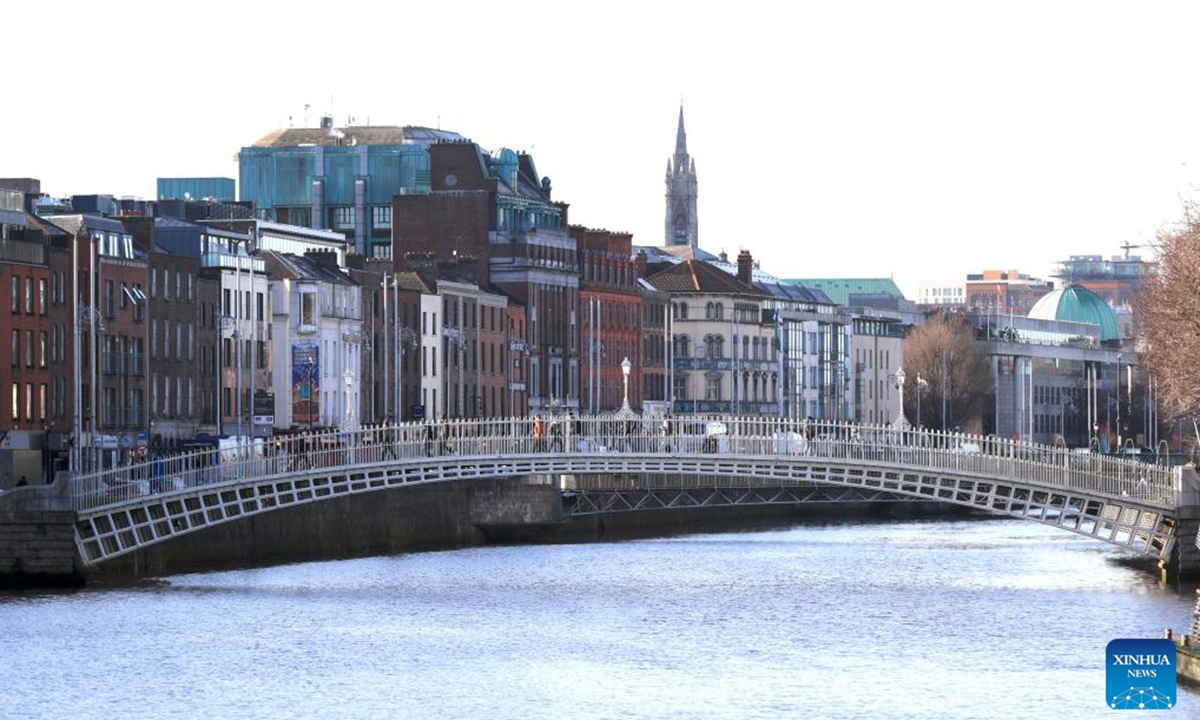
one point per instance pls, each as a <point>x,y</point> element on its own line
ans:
<point>451,180</point>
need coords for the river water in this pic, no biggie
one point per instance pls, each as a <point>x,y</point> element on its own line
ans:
<point>920,619</point>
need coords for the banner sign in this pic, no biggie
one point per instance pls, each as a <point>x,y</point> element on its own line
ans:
<point>306,381</point>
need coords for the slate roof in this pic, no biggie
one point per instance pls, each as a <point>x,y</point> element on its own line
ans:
<point>411,281</point>
<point>692,276</point>
<point>840,289</point>
<point>674,253</point>
<point>302,268</point>
<point>74,222</point>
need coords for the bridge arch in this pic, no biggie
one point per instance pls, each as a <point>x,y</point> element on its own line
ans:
<point>689,463</point>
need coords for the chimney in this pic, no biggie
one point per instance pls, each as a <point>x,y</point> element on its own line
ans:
<point>745,265</point>
<point>640,268</point>
<point>327,259</point>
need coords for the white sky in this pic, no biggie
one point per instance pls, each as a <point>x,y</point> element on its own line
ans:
<point>914,139</point>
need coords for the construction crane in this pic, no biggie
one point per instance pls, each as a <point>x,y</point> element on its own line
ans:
<point>1127,247</point>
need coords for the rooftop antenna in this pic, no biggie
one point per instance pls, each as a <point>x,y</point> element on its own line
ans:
<point>1127,247</point>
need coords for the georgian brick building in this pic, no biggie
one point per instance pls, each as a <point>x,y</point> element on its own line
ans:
<point>611,319</point>
<point>497,210</point>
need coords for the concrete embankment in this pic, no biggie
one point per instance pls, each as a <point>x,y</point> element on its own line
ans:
<point>1187,668</point>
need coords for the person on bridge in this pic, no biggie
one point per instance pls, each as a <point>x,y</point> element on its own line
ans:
<point>444,437</point>
<point>556,439</point>
<point>430,439</point>
<point>539,434</point>
<point>388,438</point>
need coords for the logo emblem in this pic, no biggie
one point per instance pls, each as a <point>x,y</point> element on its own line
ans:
<point>1141,674</point>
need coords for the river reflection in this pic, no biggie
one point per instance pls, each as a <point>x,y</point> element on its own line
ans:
<point>994,619</point>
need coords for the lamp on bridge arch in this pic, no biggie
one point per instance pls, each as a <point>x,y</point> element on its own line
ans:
<point>625,367</point>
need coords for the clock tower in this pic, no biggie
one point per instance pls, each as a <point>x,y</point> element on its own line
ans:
<point>682,227</point>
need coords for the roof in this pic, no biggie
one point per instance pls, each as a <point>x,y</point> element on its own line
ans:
<point>410,281</point>
<point>839,290</point>
<point>691,276</point>
<point>794,293</point>
<point>298,267</point>
<point>358,135</point>
<point>73,223</point>
<point>673,253</point>
<point>1076,303</point>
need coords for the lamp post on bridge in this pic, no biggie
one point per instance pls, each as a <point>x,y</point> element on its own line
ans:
<point>922,384</point>
<point>901,422</point>
<point>625,367</point>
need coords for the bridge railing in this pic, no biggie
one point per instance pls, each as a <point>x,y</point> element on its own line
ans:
<point>723,437</point>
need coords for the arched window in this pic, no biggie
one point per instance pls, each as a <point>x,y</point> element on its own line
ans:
<point>719,314</point>
<point>708,311</point>
<point>681,346</point>
<point>754,348</point>
<point>745,347</point>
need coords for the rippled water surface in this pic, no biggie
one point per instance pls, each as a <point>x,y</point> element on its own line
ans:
<point>997,619</point>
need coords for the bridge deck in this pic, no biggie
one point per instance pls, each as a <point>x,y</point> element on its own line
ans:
<point>761,460</point>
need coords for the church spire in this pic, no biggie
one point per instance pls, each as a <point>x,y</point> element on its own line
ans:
<point>681,227</point>
<point>681,135</point>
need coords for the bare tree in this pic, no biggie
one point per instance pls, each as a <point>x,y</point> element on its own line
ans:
<point>942,363</point>
<point>1168,312</point>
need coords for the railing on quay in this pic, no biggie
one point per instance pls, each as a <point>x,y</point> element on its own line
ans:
<point>725,437</point>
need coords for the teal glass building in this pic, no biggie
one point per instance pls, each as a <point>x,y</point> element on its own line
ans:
<point>340,179</point>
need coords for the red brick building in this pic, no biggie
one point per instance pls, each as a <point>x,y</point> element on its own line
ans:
<point>610,320</point>
<point>497,211</point>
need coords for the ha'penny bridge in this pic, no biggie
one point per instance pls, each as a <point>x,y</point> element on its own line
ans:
<point>600,466</point>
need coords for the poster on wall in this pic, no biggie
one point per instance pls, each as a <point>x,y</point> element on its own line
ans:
<point>306,391</point>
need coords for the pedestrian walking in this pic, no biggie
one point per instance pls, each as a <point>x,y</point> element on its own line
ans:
<point>539,433</point>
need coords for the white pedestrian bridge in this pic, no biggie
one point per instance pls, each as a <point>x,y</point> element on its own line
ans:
<point>610,465</point>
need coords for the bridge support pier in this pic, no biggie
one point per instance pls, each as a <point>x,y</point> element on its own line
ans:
<point>1184,563</point>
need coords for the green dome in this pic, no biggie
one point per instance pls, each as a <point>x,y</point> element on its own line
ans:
<point>1077,304</point>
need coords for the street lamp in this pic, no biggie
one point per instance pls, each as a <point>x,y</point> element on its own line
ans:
<point>348,419</point>
<point>901,422</point>
<point>922,384</point>
<point>227,322</point>
<point>454,336</point>
<point>406,339</point>
<point>312,366</point>
<point>625,367</point>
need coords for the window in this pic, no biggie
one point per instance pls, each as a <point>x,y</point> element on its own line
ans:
<point>381,217</point>
<point>42,349</point>
<point>16,400</point>
<point>308,308</point>
<point>712,389</point>
<point>28,296</point>
<point>29,401</point>
<point>343,218</point>
<point>153,282</point>
<point>681,348</point>
<point>41,296</point>
<point>16,294</point>
<point>16,348</point>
